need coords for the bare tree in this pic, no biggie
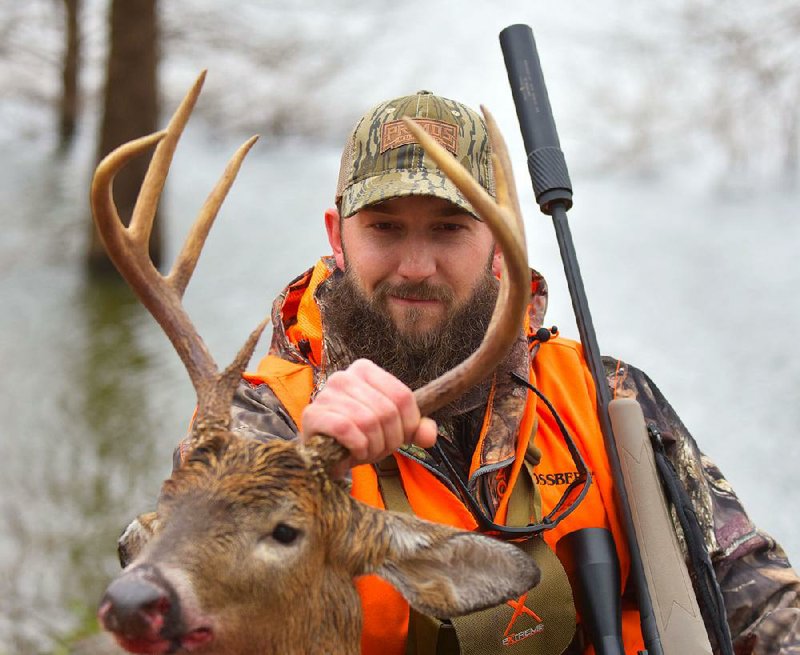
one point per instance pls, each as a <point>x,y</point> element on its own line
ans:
<point>68,108</point>
<point>131,107</point>
<point>697,76</point>
<point>751,50</point>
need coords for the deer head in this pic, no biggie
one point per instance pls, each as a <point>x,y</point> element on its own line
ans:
<point>254,546</point>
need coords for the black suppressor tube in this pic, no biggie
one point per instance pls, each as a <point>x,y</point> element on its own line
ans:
<point>546,162</point>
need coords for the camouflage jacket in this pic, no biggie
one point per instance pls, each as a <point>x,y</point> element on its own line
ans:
<point>760,589</point>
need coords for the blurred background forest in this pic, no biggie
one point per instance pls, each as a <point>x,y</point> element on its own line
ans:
<point>680,123</point>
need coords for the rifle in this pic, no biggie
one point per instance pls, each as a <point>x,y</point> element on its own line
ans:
<point>670,615</point>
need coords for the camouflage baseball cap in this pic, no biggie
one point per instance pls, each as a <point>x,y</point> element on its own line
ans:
<point>382,159</point>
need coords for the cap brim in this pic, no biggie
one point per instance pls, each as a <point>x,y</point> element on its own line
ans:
<point>398,184</point>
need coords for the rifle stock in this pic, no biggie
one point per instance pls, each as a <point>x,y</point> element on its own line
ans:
<point>675,607</point>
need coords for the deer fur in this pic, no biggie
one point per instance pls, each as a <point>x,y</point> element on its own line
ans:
<point>213,540</point>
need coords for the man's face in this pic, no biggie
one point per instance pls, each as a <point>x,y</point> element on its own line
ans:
<point>418,258</point>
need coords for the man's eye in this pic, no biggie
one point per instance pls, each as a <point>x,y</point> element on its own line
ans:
<point>383,227</point>
<point>450,227</point>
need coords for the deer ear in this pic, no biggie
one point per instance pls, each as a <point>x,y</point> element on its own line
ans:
<point>135,537</point>
<point>444,572</point>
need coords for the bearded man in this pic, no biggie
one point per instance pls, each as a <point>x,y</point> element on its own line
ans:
<point>406,294</point>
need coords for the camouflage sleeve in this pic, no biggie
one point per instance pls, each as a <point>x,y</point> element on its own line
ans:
<point>760,589</point>
<point>256,413</point>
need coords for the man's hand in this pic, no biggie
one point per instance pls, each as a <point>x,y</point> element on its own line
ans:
<point>369,411</point>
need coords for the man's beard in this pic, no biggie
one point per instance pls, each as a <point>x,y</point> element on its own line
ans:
<point>359,327</point>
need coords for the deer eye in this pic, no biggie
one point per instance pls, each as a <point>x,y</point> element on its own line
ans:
<point>284,534</point>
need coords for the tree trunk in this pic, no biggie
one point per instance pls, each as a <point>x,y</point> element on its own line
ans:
<point>130,108</point>
<point>68,111</point>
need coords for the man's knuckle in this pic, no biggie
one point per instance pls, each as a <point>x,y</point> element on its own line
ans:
<point>362,366</point>
<point>367,422</point>
<point>385,409</point>
<point>335,381</point>
<point>407,403</point>
<point>336,425</point>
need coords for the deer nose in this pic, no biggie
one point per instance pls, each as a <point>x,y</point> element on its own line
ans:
<point>138,607</point>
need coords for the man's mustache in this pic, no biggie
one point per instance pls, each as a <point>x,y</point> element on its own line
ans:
<point>413,291</point>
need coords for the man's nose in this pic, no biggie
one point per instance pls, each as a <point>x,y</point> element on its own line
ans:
<point>417,262</point>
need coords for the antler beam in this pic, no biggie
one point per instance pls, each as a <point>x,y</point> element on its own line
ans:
<point>128,248</point>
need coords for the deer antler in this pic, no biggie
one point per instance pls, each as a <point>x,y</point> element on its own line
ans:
<point>162,295</point>
<point>504,219</point>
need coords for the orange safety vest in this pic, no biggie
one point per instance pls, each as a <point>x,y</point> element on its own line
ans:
<point>560,372</point>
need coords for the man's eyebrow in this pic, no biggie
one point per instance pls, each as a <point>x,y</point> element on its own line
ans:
<point>453,210</point>
<point>382,207</point>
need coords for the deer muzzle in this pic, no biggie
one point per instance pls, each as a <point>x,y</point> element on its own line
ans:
<point>143,612</point>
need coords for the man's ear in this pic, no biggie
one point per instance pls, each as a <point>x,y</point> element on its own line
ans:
<point>333,226</point>
<point>497,262</point>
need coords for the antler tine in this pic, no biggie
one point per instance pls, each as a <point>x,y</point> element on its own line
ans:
<point>184,265</point>
<point>144,211</point>
<point>506,172</point>
<point>505,221</point>
<point>116,238</point>
<point>161,295</point>
<point>216,394</point>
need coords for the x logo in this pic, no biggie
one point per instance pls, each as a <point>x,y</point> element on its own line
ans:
<point>519,609</point>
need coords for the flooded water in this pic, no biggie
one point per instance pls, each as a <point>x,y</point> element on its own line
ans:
<point>697,287</point>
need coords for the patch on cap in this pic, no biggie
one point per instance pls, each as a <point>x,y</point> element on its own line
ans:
<point>395,134</point>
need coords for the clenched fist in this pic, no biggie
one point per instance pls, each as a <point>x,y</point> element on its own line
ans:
<point>369,411</point>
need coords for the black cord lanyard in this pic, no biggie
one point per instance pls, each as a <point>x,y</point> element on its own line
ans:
<point>556,515</point>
